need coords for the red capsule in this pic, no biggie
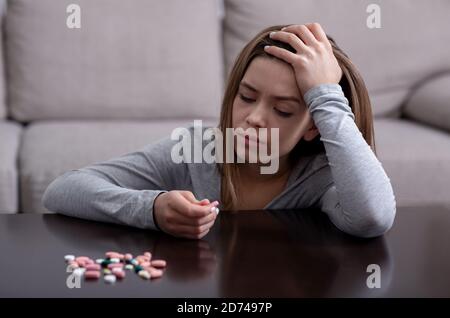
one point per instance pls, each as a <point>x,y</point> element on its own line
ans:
<point>158,263</point>
<point>115,265</point>
<point>113,255</point>
<point>92,275</point>
<point>93,267</point>
<point>119,274</point>
<point>155,273</point>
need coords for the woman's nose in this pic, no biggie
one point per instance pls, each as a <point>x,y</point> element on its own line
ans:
<point>257,117</point>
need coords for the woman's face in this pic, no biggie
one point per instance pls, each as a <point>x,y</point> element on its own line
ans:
<point>268,97</point>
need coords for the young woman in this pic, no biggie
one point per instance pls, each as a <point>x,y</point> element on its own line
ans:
<point>295,79</point>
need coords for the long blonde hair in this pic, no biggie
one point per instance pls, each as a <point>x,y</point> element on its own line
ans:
<point>352,84</point>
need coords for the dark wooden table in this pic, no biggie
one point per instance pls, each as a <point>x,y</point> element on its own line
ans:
<point>255,254</point>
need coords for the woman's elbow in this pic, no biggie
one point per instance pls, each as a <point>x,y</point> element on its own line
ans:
<point>378,223</point>
<point>49,198</point>
<point>53,194</point>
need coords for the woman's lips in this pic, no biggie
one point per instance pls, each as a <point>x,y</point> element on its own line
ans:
<point>254,140</point>
<point>249,138</point>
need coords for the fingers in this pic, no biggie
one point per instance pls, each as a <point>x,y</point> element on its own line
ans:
<point>301,37</point>
<point>318,31</point>
<point>188,217</point>
<point>193,232</point>
<point>290,38</point>
<point>204,202</point>
<point>188,195</point>
<point>184,220</point>
<point>303,32</point>
<point>283,54</point>
<point>186,207</point>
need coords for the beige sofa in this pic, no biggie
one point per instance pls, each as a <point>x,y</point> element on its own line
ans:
<point>137,69</point>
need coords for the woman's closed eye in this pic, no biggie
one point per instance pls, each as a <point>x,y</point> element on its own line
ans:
<point>282,113</point>
<point>249,100</point>
<point>246,99</point>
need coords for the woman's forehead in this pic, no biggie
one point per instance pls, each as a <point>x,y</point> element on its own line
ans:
<point>271,76</point>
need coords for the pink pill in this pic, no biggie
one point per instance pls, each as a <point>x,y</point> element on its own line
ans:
<point>81,263</point>
<point>145,264</point>
<point>91,274</point>
<point>113,255</point>
<point>158,263</point>
<point>93,267</point>
<point>128,256</point>
<point>119,274</point>
<point>155,273</point>
<point>82,258</point>
<point>115,265</point>
<point>89,261</point>
<point>148,254</point>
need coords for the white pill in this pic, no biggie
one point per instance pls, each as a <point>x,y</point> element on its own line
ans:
<point>69,258</point>
<point>217,210</point>
<point>144,274</point>
<point>111,279</point>
<point>129,266</point>
<point>115,260</point>
<point>99,260</point>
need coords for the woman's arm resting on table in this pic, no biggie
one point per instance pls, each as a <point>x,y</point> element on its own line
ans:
<point>361,202</point>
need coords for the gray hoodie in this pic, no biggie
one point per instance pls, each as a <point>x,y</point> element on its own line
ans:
<point>347,181</point>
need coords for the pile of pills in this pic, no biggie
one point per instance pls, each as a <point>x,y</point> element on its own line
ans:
<point>115,265</point>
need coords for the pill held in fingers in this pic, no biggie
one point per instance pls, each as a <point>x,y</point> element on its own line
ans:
<point>113,266</point>
<point>214,209</point>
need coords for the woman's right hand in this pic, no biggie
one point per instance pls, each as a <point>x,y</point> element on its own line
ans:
<point>180,214</point>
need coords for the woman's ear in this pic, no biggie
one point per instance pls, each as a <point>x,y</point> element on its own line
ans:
<point>311,132</point>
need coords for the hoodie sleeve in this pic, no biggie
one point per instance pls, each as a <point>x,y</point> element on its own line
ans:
<point>120,190</point>
<point>361,200</point>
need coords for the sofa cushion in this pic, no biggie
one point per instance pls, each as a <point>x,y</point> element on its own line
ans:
<point>129,60</point>
<point>51,148</point>
<point>413,41</point>
<point>416,159</point>
<point>9,146</point>
<point>430,102</point>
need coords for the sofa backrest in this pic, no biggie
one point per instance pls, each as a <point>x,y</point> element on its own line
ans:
<point>412,43</point>
<point>134,59</point>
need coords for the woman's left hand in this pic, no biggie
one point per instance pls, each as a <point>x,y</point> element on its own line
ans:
<point>314,63</point>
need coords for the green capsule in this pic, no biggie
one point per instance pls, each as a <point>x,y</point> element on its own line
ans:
<point>105,263</point>
<point>138,268</point>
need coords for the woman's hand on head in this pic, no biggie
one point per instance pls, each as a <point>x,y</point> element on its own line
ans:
<point>180,214</point>
<point>314,62</point>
